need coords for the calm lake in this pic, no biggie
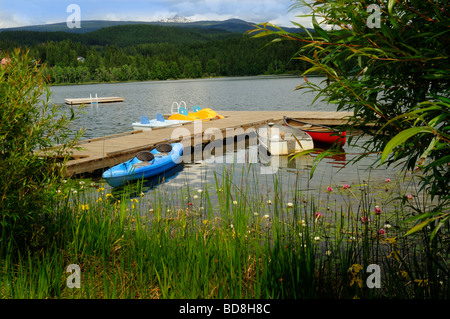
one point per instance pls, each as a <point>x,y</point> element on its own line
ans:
<point>220,94</point>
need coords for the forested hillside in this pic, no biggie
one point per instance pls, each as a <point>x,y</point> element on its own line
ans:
<point>151,52</point>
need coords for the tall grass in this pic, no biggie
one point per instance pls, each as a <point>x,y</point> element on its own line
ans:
<point>229,239</point>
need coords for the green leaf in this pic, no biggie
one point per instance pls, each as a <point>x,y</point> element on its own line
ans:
<point>319,30</point>
<point>441,223</point>
<point>419,226</point>
<point>443,160</point>
<point>391,5</point>
<point>421,216</point>
<point>430,147</point>
<point>400,138</point>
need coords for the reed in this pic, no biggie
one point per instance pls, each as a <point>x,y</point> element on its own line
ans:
<point>229,239</point>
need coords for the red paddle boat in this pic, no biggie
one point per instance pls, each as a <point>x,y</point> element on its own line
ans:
<point>320,134</point>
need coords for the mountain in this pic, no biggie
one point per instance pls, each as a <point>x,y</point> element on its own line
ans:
<point>176,19</point>
<point>231,25</point>
<point>119,35</point>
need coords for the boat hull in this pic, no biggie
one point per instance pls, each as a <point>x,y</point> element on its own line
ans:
<point>136,169</point>
<point>282,140</point>
<point>203,114</point>
<point>153,125</point>
<point>321,134</point>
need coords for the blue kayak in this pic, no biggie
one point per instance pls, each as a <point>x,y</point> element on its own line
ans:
<point>145,164</point>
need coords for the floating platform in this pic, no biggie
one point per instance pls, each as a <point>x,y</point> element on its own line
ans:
<point>104,152</point>
<point>92,100</point>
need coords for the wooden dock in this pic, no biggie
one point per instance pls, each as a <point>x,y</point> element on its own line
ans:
<point>91,100</point>
<point>104,152</point>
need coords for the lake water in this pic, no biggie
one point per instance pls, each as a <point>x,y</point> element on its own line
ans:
<point>220,94</point>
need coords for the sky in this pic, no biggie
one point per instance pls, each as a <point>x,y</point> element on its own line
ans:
<point>17,13</point>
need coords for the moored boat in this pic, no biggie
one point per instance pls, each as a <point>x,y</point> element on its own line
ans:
<point>321,134</point>
<point>283,140</point>
<point>145,164</point>
<point>205,114</point>
<point>146,124</point>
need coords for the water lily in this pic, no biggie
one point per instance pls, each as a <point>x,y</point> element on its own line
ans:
<point>329,189</point>
<point>377,210</point>
<point>364,219</point>
<point>381,231</point>
<point>345,186</point>
<point>318,215</point>
<point>387,180</point>
<point>409,196</point>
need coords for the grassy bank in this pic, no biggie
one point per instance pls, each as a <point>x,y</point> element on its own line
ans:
<point>230,239</point>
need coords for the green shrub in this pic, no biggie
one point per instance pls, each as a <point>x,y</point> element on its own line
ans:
<point>29,173</point>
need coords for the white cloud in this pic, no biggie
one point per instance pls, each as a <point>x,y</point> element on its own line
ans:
<point>8,20</point>
<point>26,12</point>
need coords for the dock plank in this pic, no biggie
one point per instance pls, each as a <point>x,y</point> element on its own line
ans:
<point>104,152</point>
<point>78,101</point>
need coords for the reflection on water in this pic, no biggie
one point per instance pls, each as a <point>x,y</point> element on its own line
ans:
<point>137,188</point>
<point>250,164</point>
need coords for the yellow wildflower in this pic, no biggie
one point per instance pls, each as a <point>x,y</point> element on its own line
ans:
<point>421,282</point>
<point>356,268</point>
<point>395,254</point>
<point>390,241</point>
<point>358,281</point>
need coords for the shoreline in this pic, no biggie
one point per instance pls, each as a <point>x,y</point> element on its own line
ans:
<point>286,75</point>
